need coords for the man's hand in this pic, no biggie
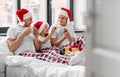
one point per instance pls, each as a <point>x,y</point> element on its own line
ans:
<point>26,31</point>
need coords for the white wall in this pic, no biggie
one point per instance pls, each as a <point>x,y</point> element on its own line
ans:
<point>105,63</point>
<point>103,38</point>
<point>107,25</point>
<point>104,23</point>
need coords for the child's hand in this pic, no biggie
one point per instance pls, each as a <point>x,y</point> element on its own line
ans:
<point>52,30</point>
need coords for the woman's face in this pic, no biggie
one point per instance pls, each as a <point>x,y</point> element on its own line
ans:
<point>45,30</point>
<point>28,21</point>
<point>62,20</point>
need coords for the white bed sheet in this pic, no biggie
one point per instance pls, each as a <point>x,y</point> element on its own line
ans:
<point>40,68</point>
<point>4,51</point>
<point>2,65</point>
<point>2,62</point>
<point>19,71</point>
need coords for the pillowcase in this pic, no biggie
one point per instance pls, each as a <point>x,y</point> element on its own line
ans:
<point>4,50</point>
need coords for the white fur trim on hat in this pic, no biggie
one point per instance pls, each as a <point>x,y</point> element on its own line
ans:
<point>27,15</point>
<point>21,23</point>
<point>42,27</point>
<point>71,23</point>
<point>64,13</point>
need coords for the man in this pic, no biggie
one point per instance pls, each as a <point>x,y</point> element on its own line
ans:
<point>20,37</point>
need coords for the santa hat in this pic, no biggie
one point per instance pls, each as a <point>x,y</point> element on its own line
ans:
<point>66,12</point>
<point>40,26</point>
<point>22,15</point>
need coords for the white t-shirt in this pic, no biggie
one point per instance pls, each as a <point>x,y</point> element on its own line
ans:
<point>27,43</point>
<point>59,33</point>
<point>45,45</point>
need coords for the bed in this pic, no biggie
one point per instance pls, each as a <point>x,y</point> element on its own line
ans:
<point>31,67</point>
<point>19,66</point>
<point>2,67</point>
<point>4,51</point>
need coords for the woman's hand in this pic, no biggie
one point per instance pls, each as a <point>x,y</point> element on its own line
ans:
<point>66,33</point>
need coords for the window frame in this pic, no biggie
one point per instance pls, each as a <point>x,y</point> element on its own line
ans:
<point>48,10</point>
<point>3,30</point>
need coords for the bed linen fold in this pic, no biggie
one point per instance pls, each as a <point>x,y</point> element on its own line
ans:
<point>45,69</point>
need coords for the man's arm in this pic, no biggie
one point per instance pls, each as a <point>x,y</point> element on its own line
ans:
<point>13,44</point>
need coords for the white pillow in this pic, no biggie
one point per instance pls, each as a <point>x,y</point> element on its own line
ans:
<point>18,60</point>
<point>4,50</point>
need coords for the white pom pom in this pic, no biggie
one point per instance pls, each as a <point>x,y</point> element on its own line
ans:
<point>71,23</point>
<point>21,23</point>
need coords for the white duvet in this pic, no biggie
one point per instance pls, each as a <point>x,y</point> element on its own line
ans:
<point>45,69</point>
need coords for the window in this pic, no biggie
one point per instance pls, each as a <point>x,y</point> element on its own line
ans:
<point>38,8</point>
<point>57,4</point>
<point>80,12</point>
<point>7,13</point>
<point>78,8</point>
<point>44,10</point>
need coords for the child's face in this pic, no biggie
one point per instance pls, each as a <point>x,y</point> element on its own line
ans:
<point>28,21</point>
<point>45,30</point>
<point>62,20</point>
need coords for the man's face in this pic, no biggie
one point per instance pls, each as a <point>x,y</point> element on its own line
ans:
<point>28,21</point>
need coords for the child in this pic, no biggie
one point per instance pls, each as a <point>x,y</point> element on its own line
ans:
<point>19,37</point>
<point>44,34</point>
<point>50,53</point>
<point>64,34</point>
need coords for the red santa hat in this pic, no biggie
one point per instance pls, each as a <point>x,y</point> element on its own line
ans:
<point>40,26</point>
<point>67,13</point>
<point>22,15</point>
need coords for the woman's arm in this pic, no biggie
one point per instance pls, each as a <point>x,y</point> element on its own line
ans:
<point>69,37</point>
<point>56,42</point>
